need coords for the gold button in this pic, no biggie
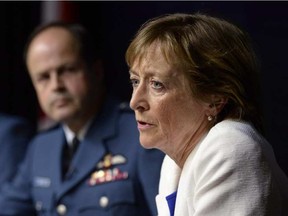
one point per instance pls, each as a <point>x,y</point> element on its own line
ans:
<point>61,209</point>
<point>104,201</point>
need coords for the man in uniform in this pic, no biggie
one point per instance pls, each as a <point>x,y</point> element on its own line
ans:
<point>15,134</point>
<point>92,162</point>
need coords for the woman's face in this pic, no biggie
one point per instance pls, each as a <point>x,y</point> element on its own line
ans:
<point>168,116</point>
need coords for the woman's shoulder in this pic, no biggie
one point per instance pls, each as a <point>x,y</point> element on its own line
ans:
<point>234,132</point>
<point>232,141</point>
<point>231,125</point>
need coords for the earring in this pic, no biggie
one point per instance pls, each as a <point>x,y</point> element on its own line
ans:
<point>210,118</point>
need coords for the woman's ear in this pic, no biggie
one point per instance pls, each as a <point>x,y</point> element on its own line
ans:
<point>216,104</point>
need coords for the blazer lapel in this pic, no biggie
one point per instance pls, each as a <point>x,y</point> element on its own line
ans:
<point>186,184</point>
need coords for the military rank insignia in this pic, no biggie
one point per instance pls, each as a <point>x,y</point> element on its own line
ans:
<point>106,170</point>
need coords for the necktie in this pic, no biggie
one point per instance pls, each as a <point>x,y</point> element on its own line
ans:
<point>74,147</point>
<point>67,155</point>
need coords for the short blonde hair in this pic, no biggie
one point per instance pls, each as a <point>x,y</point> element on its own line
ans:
<point>216,56</point>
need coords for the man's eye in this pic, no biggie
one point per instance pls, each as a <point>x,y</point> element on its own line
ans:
<point>67,70</point>
<point>42,78</point>
<point>70,69</point>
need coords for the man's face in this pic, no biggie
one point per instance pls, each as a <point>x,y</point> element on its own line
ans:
<point>59,75</point>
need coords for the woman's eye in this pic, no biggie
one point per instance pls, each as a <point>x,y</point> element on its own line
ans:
<point>157,85</point>
<point>134,82</point>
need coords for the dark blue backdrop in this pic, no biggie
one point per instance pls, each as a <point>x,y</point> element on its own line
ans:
<point>117,22</point>
<point>267,23</point>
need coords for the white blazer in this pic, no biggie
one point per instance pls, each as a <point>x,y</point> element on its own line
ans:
<point>231,172</point>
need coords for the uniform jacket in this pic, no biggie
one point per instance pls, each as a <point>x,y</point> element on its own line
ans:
<point>231,172</point>
<point>126,187</point>
<point>15,134</point>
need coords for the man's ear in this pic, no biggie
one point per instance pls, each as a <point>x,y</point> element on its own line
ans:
<point>216,104</point>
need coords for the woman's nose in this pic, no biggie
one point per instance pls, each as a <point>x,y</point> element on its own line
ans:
<point>138,101</point>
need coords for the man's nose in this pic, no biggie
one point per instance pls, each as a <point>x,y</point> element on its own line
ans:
<point>56,81</point>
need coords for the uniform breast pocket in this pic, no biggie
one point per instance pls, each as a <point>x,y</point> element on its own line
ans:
<point>113,198</point>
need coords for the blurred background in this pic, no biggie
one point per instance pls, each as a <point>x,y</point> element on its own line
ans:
<point>115,23</point>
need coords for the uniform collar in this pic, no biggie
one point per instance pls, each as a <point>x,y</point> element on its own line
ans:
<point>69,134</point>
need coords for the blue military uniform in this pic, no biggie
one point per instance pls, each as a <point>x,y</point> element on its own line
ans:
<point>111,173</point>
<point>15,134</point>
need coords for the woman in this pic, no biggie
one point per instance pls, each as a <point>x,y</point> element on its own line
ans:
<point>194,81</point>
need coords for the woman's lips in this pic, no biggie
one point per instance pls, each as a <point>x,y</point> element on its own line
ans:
<point>144,125</point>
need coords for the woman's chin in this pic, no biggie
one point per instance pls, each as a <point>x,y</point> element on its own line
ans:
<point>146,145</point>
